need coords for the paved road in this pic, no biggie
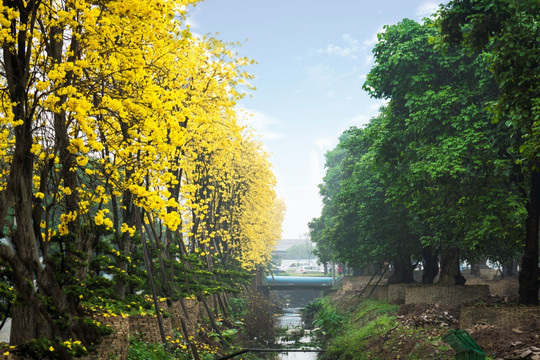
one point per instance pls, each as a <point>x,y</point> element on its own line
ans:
<point>4,333</point>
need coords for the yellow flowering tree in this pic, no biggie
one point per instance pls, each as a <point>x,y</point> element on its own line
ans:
<point>256,215</point>
<point>117,124</point>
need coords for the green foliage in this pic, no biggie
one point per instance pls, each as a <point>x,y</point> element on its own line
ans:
<point>140,350</point>
<point>506,35</point>
<point>348,333</point>
<point>98,328</point>
<point>435,146</point>
<point>349,342</point>
<point>327,318</point>
<point>358,223</point>
<point>431,170</point>
<point>369,309</point>
<point>310,311</point>
<point>43,348</point>
<point>229,334</point>
<point>38,349</point>
<point>324,228</point>
<point>237,307</point>
<point>370,330</point>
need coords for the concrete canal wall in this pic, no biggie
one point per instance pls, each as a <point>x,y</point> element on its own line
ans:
<point>415,293</point>
<point>504,316</point>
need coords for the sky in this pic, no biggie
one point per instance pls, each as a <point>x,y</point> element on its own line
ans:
<point>311,58</point>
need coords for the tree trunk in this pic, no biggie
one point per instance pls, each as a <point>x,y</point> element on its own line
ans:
<point>431,265</point>
<point>450,273</point>
<point>475,269</point>
<point>403,272</point>
<point>23,325</point>
<point>510,268</point>
<point>529,272</point>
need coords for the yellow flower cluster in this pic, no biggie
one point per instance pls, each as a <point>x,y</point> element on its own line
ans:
<point>100,218</point>
<point>70,344</point>
<point>129,111</point>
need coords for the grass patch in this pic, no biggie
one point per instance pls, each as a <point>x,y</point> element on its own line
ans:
<point>369,330</point>
<point>353,340</point>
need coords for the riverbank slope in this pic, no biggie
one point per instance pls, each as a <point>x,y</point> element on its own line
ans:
<point>353,328</point>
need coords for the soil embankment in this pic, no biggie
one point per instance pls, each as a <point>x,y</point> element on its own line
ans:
<point>501,327</point>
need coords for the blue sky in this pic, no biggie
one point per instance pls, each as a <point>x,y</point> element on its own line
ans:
<point>312,58</point>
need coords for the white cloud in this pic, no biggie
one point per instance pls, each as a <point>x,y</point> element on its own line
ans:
<point>321,74</point>
<point>326,76</point>
<point>193,25</point>
<point>427,9</point>
<point>373,39</point>
<point>263,124</point>
<point>349,50</point>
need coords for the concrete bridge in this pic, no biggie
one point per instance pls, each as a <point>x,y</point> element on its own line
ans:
<point>297,283</point>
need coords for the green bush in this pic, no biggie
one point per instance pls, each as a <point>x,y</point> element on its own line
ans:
<point>140,350</point>
<point>309,312</point>
<point>38,349</point>
<point>237,308</point>
<point>43,348</point>
<point>327,318</point>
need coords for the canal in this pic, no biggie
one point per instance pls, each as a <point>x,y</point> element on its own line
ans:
<point>290,319</point>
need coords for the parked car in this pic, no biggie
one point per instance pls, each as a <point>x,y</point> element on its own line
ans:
<point>276,269</point>
<point>309,269</point>
<point>293,266</point>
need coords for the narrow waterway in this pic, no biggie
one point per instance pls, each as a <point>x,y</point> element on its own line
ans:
<point>292,321</point>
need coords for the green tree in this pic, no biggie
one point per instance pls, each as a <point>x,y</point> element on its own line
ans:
<point>436,149</point>
<point>378,230</point>
<point>357,223</point>
<point>324,228</point>
<point>507,32</point>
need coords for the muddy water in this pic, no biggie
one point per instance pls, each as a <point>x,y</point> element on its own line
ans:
<point>291,320</point>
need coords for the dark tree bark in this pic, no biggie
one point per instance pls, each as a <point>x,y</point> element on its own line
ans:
<point>529,273</point>
<point>403,272</point>
<point>510,268</point>
<point>475,269</point>
<point>450,273</point>
<point>124,243</point>
<point>34,272</point>
<point>17,198</point>
<point>431,265</point>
